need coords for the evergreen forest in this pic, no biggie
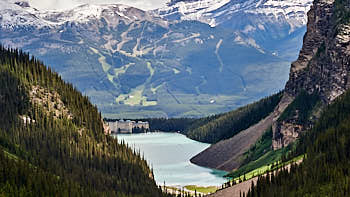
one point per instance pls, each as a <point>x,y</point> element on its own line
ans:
<point>325,169</point>
<point>52,139</point>
<point>223,126</point>
<point>215,128</point>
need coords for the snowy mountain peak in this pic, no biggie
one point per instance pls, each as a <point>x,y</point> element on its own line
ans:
<point>18,13</point>
<point>86,12</point>
<point>216,12</point>
<point>191,10</point>
<point>15,14</point>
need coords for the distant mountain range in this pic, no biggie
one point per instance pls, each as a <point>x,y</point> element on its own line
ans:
<point>264,21</point>
<point>190,58</point>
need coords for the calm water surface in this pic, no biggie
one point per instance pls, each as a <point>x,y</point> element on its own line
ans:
<point>170,154</point>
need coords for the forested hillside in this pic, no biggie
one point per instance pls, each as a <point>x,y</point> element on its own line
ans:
<point>212,129</point>
<point>52,140</point>
<point>325,171</point>
<point>220,127</point>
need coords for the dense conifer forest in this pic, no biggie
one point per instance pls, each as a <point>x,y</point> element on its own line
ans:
<point>218,127</point>
<point>164,124</point>
<point>52,140</point>
<point>326,169</point>
<point>223,126</point>
<point>303,104</point>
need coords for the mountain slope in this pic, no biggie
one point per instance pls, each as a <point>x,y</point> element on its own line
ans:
<point>217,12</point>
<point>317,78</point>
<point>132,63</point>
<point>228,154</point>
<point>322,69</point>
<point>324,171</point>
<point>271,25</point>
<point>50,132</point>
<point>224,126</point>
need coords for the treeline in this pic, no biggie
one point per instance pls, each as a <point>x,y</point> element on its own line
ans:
<point>262,146</point>
<point>165,124</point>
<point>42,154</point>
<point>301,108</point>
<point>326,169</point>
<point>171,124</point>
<point>261,154</point>
<point>216,128</point>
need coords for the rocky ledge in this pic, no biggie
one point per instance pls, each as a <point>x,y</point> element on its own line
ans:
<point>322,67</point>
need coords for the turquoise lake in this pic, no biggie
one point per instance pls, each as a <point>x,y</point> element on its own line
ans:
<point>169,154</point>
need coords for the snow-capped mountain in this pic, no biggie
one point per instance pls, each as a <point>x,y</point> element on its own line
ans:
<point>216,12</point>
<point>262,23</point>
<point>14,14</point>
<point>160,62</point>
<point>111,12</point>
<point>212,12</point>
<point>18,13</point>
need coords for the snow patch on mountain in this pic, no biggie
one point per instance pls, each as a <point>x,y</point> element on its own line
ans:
<point>192,10</point>
<point>294,11</point>
<point>14,14</point>
<point>215,12</point>
<point>18,13</point>
<point>84,13</point>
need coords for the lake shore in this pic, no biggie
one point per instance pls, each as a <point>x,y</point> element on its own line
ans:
<point>169,155</point>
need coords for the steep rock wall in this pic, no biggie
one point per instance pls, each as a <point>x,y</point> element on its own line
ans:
<point>322,67</point>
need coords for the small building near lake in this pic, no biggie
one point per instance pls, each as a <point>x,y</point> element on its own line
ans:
<point>128,126</point>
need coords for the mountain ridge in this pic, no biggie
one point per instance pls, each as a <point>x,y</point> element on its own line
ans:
<point>317,78</point>
<point>211,11</point>
<point>133,64</point>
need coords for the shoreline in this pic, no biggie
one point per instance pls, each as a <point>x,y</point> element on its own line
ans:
<point>199,190</point>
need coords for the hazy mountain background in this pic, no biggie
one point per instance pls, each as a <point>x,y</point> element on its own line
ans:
<point>188,58</point>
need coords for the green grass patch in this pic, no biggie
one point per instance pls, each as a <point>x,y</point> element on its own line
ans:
<point>295,159</point>
<point>262,146</point>
<point>135,98</point>
<point>102,60</point>
<point>122,70</point>
<point>204,190</point>
<point>151,69</point>
<point>263,169</point>
<point>259,165</point>
<point>154,90</point>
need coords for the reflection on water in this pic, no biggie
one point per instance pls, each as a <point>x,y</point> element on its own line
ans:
<point>169,154</point>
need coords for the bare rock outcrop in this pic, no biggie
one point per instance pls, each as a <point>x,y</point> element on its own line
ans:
<point>322,67</point>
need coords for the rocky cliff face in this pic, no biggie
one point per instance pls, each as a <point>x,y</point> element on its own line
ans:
<point>322,67</point>
<point>319,75</point>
